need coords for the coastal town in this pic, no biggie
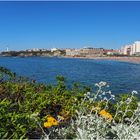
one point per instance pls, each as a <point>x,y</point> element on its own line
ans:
<point>129,52</point>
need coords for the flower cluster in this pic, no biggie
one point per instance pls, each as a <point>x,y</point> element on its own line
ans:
<point>50,122</point>
<point>105,115</point>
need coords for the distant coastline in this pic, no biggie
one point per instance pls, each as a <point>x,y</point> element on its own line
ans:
<point>62,54</point>
<point>131,59</point>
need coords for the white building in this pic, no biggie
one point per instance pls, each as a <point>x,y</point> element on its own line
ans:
<point>7,49</point>
<point>33,50</point>
<point>72,52</point>
<point>126,50</point>
<point>135,49</point>
<point>54,49</point>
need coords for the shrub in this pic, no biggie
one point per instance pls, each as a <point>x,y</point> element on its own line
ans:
<point>33,110</point>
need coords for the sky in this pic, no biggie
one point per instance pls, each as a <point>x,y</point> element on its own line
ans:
<point>68,24</point>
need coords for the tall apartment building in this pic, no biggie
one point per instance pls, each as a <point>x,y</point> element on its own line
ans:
<point>135,49</point>
<point>126,50</point>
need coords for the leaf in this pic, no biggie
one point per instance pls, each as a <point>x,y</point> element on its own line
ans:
<point>5,135</point>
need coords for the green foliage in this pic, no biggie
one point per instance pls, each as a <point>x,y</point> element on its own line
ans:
<point>126,103</point>
<point>24,105</point>
<point>19,99</point>
<point>6,72</point>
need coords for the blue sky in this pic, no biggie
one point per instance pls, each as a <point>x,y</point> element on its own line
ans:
<point>25,25</point>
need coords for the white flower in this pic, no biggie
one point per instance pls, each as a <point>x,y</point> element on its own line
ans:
<point>91,99</point>
<point>134,92</point>
<point>105,98</point>
<point>88,93</point>
<point>128,100</point>
<point>107,86</point>
<point>127,119</point>
<point>113,96</point>
<point>102,83</point>
<point>103,93</point>
<point>95,97</point>
<point>100,96</point>
<point>97,84</point>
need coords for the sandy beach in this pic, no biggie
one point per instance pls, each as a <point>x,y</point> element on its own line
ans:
<point>135,60</point>
<point>124,59</point>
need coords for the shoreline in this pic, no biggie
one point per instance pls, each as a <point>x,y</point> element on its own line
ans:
<point>135,60</point>
<point>129,59</point>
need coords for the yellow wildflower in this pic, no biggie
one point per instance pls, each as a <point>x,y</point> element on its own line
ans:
<point>105,115</point>
<point>47,124</point>
<point>50,122</point>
